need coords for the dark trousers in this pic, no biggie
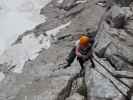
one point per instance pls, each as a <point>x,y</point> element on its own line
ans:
<point>71,56</point>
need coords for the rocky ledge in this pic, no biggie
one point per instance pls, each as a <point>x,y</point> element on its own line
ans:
<point>112,77</point>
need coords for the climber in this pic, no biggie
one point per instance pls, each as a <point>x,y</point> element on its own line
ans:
<point>82,50</point>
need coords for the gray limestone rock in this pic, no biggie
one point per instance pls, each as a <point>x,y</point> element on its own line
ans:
<point>112,77</point>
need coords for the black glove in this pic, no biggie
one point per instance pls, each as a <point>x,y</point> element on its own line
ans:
<point>66,66</point>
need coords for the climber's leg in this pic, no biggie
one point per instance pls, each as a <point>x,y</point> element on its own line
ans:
<point>81,62</point>
<point>92,63</point>
<point>70,58</point>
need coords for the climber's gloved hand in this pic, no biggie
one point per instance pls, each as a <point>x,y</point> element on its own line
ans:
<point>64,65</point>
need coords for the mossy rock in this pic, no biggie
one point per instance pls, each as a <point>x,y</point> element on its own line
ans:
<point>82,90</point>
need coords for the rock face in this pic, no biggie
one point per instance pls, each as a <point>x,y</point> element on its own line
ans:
<point>75,97</point>
<point>40,78</point>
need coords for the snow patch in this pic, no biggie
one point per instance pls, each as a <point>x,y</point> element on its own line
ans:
<point>28,50</point>
<point>56,30</point>
<point>60,1</point>
<point>81,1</point>
<point>18,16</point>
<point>25,4</point>
<point>2,76</point>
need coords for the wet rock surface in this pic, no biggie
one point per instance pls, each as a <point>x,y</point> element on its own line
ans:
<point>112,77</point>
